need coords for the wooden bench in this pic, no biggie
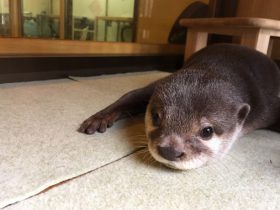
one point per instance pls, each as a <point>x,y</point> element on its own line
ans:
<point>254,32</point>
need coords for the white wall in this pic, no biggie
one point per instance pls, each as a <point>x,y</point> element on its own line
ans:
<point>81,8</point>
<point>88,8</point>
<point>36,7</point>
<point>93,8</point>
<point>4,6</point>
<point>121,8</point>
<point>56,7</point>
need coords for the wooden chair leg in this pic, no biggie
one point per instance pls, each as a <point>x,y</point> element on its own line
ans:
<point>270,45</point>
<point>257,40</point>
<point>195,41</point>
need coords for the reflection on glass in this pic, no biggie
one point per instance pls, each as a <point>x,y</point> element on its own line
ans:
<point>4,18</point>
<point>40,18</point>
<point>106,20</point>
<point>103,20</point>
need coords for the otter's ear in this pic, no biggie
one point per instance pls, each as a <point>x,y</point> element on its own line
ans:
<point>243,112</point>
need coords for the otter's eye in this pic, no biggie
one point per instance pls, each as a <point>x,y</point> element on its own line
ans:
<point>207,133</point>
<point>155,118</point>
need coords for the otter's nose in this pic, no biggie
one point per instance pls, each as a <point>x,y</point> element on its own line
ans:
<point>170,153</point>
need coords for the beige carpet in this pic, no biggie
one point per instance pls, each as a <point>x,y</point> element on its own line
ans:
<point>39,148</point>
<point>248,179</point>
<point>39,145</point>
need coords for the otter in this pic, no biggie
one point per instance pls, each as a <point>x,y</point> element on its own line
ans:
<point>194,115</point>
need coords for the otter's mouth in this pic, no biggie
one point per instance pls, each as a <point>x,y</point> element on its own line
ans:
<point>171,166</point>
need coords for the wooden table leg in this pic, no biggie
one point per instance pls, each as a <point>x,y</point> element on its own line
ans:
<point>256,39</point>
<point>195,41</point>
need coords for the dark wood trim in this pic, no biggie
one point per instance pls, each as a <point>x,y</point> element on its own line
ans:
<point>61,19</point>
<point>36,68</point>
<point>135,19</point>
<point>68,18</point>
<point>214,6</point>
<point>222,8</point>
<point>16,18</point>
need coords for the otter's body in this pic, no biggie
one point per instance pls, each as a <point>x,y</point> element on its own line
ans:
<point>255,77</point>
<point>194,115</point>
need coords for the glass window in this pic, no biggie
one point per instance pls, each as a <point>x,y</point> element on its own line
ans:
<point>5,28</point>
<point>142,21</point>
<point>103,20</point>
<point>40,18</point>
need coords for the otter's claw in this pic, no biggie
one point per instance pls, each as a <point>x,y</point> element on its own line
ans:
<point>98,122</point>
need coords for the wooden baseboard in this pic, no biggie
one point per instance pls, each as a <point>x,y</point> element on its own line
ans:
<point>43,68</point>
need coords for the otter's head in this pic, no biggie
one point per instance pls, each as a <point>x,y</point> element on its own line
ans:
<point>189,124</point>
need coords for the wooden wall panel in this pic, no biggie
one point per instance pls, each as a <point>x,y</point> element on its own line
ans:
<point>156,18</point>
<point>263,9</point>
<point>259,8</point>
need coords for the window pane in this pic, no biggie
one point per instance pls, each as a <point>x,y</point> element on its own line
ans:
<point>5,28</point>
<point>40,18</point>
<point>103,20</point>
<point>142,21</point>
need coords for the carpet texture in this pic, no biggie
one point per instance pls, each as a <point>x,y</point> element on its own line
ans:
<point>46,164</point>
<point>39,145</point>
<point>248,178</point>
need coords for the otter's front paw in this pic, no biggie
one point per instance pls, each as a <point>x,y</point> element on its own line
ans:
<point>98,122</point>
